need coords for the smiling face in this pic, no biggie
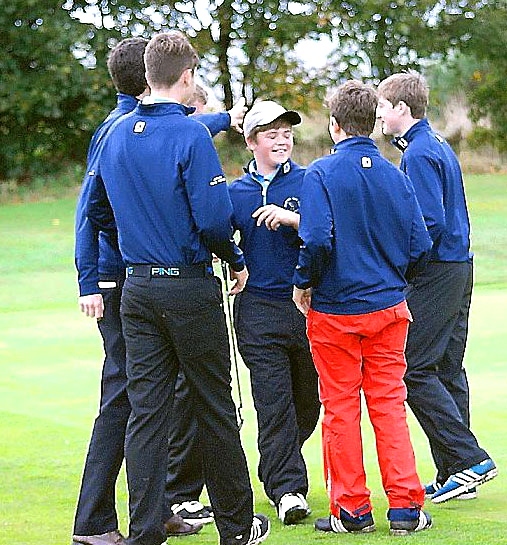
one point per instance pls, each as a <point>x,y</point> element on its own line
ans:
<point>271,147</point>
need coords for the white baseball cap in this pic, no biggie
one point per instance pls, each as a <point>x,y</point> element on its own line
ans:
<point>264,112</point>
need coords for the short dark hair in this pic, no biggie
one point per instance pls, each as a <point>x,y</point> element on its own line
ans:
<point>409,87</point>
<point>126,66</point>
<point>353,106</point>
<point>167,56</point>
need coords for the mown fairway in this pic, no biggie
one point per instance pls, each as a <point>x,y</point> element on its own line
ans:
<point>51,358</point>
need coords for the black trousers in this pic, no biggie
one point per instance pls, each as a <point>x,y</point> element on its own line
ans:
<point>437,387</point>
<point>96,506</point>
<point>185,475</point>
<point>96,509</point>
<point>168,323</point>
<point>273,344</point>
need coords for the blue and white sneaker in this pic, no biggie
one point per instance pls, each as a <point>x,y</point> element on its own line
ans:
<point>470,494</point>
<point>431,488</point>
<point>463,481</point>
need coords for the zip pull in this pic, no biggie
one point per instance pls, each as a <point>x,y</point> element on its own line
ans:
<point>264,194</point>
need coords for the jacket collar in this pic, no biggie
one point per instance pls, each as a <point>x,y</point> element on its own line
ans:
<point>283,168</point>
<point>402,142</point>
<point>165,107</point>
<point>126,103</point>
<point>352,141</point>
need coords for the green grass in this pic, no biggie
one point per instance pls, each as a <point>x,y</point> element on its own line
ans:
<point>51,356</point>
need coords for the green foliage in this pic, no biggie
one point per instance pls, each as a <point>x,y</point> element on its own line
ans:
<point>246,47</point>
<point>65,181</point>
<point>478,70</point>
<point>488,92</point>
<point>375,38</point>
<point>483,136</point>
<point>55,88</point>
<point>46,108</point>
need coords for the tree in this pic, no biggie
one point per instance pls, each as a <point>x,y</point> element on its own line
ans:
<point>487,91</point>
<point>475,66</point>
<point>55,88</point>
<point>247,48</point>
<point>375,38</point>
<point>45,108</point>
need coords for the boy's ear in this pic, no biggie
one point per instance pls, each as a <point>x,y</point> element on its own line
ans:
<point>251,142</point>
<point>187,77</point>
<point>404,108</point>
<point>333,125</point>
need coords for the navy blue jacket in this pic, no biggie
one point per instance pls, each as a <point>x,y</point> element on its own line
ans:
<point>104,260</point>
<point>271,256</point>
<point>362,228</point>
<point>436,175</point>
<point>87,253</point>
<point>165,184</point>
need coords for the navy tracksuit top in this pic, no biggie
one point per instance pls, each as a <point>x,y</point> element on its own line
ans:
<point>436,175</point>
<point>362,228</point>
<point>87,253</point>
<point>107,255</point>
<point>271,256</point>
<point>165,184</point>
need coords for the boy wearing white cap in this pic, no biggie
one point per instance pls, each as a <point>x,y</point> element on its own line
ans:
<point>271,332</point>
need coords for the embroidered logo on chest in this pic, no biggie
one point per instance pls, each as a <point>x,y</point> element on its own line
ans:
<point>292,204</point>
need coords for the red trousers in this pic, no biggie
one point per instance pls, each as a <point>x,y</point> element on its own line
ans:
<point>364,352</point>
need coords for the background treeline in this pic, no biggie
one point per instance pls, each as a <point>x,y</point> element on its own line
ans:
<point>54,87</point>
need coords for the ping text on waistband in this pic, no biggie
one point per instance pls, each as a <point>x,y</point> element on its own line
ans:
<point>167,271</point>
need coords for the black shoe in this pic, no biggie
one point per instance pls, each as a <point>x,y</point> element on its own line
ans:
<point>363,524</point>
<point>258,533</point>
<point>176,526</point>
<point>407,521</point>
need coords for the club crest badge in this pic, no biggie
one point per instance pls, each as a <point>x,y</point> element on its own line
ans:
<point>292,204</point>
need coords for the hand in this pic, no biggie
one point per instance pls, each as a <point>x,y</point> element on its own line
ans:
<point>273,216</point>
<point>239,279</point>
<point>92,305</point>
<point>237,113</point>
<point>302,299</point>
